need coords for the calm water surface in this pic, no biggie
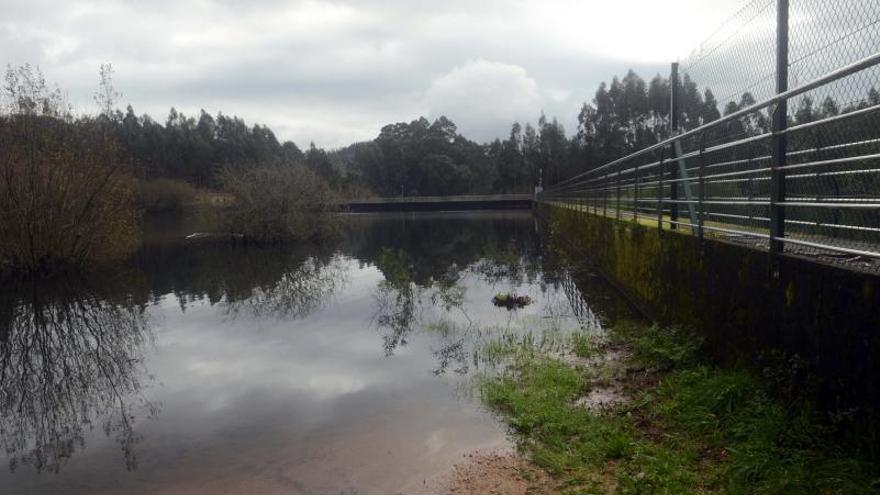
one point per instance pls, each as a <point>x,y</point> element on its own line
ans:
<point>342,368</point>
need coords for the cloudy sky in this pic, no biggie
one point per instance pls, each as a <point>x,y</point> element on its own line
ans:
<point>335,71</point>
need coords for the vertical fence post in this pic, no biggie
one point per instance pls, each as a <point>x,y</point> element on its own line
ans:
<point>780,144</point>
<point>636,197</point>
<point>701,198</point>
<point>673,119</point>
<point>660,174</point>
<point>618,195</point>
<point>605,200</point>
<point>750,197</point>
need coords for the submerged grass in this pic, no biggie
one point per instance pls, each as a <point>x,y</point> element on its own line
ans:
<point>690,427</point>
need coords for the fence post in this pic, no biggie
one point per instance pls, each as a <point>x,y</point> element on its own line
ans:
<point>636,197</point>
<point>780,141</point>
<point>660,174</point>
<point>618,195</point>
<point>605,201</point>
<point>701,194</point>
<point>673,119</point>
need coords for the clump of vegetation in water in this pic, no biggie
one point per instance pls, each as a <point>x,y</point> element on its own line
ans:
<point>64,198</point>
<point>511,301</point>
<point>279,202</point>
<point>165,195</point>
<point>689,428</point>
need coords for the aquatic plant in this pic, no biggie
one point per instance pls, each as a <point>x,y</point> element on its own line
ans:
<point>511,301</point>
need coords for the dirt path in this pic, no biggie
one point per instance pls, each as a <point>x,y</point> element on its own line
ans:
<point>493,472</point>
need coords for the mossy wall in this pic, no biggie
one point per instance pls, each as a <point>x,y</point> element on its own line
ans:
<point>819,322</point>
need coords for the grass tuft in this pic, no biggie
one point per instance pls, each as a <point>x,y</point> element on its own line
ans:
<point>583,346</point>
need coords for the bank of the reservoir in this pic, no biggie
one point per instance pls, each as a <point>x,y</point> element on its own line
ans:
<point>816,321</point>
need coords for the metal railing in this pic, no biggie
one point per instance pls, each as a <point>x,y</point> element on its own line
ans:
<point>769,174</point>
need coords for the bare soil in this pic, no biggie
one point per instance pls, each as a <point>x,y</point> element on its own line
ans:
<point>501,472</point>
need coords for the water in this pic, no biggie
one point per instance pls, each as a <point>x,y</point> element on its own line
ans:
<point>344,368</point>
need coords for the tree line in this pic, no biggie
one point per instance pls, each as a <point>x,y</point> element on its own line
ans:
<point>625,115</point>
<point>69,185</point>
<point>425,157</point>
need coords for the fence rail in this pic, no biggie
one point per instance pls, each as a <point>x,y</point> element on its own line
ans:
<point>773,174</point>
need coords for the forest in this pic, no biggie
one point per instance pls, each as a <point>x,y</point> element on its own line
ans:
<point>72,186</point>
<point>425,157</point>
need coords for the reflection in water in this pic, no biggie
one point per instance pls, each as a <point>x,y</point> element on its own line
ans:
<point>397,299</point>
<point>269,369</point>
<point>441,245</point>
<point>70,358</point>
<point>425,259</point>
<point>271,281</point>
<point>73,357</point>
<point>298,291</point>
<point>409,300</point>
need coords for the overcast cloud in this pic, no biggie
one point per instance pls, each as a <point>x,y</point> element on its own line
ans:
<point>336,71</point>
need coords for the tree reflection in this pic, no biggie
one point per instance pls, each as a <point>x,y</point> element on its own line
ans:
<point>427,262</point>
<point>403,305</point>
<point>298,291</point>
<point>440,245</point>
<point>70,359</point>
<point>417,284</point>
<point>452,355</point>
<point>284,282</point>
<point>398,299</point>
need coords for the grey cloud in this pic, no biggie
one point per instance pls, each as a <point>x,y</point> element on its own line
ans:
<point>332,71</point>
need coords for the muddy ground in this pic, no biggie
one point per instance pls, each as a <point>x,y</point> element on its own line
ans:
<point>492,472</point>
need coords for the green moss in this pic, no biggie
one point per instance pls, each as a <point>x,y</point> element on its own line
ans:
<point>868,292</point>
<point>790,294</point>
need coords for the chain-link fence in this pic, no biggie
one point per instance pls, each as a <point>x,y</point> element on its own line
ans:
<point>808,183</point>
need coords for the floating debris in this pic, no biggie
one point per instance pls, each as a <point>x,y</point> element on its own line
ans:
<point>198,235</point>
<point>511,301</point>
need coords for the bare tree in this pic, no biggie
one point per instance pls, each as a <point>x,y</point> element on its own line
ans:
<point>64,198</point>
<point>106,96</point>
<point>278,202</point>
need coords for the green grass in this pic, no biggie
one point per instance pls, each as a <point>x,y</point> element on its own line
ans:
<point>583,346</point>
<point>658,348</point>
<point>768,449</point>
<point>694,429</point>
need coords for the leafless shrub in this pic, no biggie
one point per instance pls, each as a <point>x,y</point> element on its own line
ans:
<point>279,202</point>
<point>170,195</point>
<point>64,200</point>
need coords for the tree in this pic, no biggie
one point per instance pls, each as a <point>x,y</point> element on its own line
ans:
<point>278,202</point>
<point>830,108</point>
<point>64,199</point>
<point>106,96</point>
<point>439,175</point>
<point>318,162</point>
<point>805,112</point>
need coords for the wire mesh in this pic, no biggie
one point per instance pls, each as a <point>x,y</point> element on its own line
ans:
<point>739,57</point>
<point>716,178</point>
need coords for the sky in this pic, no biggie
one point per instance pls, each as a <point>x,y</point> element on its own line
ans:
<point>334,72</point>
